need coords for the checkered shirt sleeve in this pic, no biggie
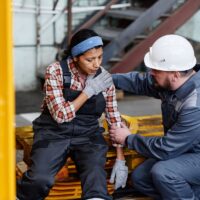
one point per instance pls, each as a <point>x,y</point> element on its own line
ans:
<point>111,112</point>
<point>61,110</point>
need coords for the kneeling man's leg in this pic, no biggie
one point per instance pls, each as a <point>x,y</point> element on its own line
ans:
<point>175,178</point>
<point>142,180</point>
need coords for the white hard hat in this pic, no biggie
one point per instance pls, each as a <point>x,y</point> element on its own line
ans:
<point>170,53</point>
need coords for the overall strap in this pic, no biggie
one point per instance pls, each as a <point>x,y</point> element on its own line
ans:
<point>98,72</point>
<point>66,74</point>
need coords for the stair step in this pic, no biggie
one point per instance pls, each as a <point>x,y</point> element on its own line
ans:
<point>108,33</point>
<point>165,15</point>
<point>115,59</point>
<point>140,37</point>
<point>130,14</point>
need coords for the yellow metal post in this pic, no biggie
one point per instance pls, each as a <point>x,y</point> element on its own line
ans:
<point>7,138</point>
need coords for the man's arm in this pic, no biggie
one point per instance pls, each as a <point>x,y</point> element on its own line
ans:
<point>136,83</point>
<point>182,137</point>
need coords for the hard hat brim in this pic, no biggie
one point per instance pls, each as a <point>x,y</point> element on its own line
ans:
<point>149,63</point>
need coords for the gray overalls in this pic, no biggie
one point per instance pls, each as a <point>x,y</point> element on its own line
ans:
<point>172,170</point>
<point>53,143</point>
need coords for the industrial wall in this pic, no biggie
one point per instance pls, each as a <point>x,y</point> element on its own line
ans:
<point>191,28</point>
<point>38,28</point>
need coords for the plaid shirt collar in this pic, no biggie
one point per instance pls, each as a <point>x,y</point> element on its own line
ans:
<point>72,67</point>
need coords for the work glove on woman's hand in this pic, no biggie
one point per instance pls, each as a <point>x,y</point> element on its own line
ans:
<point>94,86</point>
<point>119,174</point>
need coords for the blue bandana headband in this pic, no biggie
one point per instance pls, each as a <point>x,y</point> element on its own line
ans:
<point>86,45</point>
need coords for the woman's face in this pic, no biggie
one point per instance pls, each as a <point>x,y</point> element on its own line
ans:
<point>90,61</point>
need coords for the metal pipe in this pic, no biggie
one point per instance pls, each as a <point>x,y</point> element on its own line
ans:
<point>74,9</point>
<point>38,28</point>
<point>32,45</point>
<point>69,21</point>
<point>53,19</point>
<point>23,2</point>
<point>120,5</point>
<point>98,15</point>
<point>55,3</point>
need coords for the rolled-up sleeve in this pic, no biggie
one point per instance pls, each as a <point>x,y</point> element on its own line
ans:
<point>60,109</point>
<point>112,114</point>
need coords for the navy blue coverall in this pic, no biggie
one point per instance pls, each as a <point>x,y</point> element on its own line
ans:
<point>172,170</point>
<point>81,139</point>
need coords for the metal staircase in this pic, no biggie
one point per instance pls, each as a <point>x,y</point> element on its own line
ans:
<point>163,17</point>
<point>131,31</point>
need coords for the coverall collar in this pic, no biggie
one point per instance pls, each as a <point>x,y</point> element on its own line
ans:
<point>189,85</point>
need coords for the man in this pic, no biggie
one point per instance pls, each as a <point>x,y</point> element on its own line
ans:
<point>172,168</point>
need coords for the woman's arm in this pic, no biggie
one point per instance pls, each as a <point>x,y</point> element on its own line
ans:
<point>60,109</point>
<point>113,116</point>
<point>79,101</point>
<point>120,170</point>
<point>120,153</point>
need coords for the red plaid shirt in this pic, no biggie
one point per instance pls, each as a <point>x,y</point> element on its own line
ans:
<point>62,110</point>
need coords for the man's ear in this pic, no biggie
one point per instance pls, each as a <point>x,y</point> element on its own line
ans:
<point>176,75</point>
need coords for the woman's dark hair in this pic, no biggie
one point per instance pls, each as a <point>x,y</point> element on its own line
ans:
<point>78,37</point>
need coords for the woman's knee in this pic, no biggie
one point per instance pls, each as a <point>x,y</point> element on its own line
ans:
<point>42,182</point>
<point>34,186</point>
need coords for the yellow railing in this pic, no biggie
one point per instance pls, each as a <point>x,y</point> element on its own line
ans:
<point>7,138</point>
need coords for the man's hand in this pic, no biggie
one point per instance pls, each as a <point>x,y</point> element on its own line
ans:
<point>118,135</point>
<point>94,86</point>
<point>119,174</point>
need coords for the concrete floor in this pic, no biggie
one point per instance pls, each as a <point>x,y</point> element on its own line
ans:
<point>139,105</point>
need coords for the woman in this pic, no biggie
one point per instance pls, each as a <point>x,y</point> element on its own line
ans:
<point>77,91</point>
